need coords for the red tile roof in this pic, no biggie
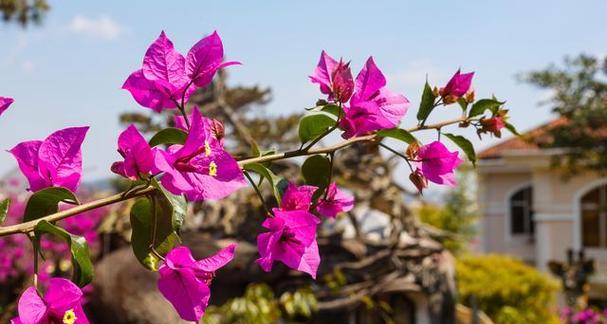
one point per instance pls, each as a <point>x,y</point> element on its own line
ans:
<point>530,140</point>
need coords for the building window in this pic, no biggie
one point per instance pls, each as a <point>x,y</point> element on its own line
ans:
<point>594,218</point>
<point>521,212</point>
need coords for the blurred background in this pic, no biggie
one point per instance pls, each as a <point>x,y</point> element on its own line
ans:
<point>522,239</point>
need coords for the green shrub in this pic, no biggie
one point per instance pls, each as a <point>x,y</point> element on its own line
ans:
<point>507,290</point>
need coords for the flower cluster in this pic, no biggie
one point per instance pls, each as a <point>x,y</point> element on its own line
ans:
<point>190,163</point>
<point>583,316</point>
<point>368,104</point>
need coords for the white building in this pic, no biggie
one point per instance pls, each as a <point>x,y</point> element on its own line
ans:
<point>530,211</point>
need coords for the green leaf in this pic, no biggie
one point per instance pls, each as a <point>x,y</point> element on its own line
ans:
<point>479,107</point>
<point>142,236</point>
<point>464,144</point>
<point>82,273</point>
<point>512,129</point>
<point>4,205</point>
<point>313,125</point>
<point>427,103</point>
<point>170,135</point>
<point>316,171</point>
<point>46,202</point>
<point>397,133</point>
<point>334,110</point>
<point>266,173</point>
<point>173,205</point>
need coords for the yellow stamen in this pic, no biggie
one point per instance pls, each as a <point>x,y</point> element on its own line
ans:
<point>69,317</point>
<point>212,169</point>
<point>207,148</point>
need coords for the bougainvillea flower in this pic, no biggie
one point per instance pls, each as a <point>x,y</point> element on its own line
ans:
<point>437,164</point>
<point>336,201</point>
<point>137,154</point>
<point>200,168</point>
<point>297,197</point>
<point>55,161</point>
<point>204,59</point>
<point>372,106</point>
<point>62,303</point>
<point>291,240</point>
<point>216,126</point>
<point>456,87</point>
<point>335,78</point>
<point>5,102</point>
<point>185,282</point>
<point>160,83</point>
<point>166,77</point>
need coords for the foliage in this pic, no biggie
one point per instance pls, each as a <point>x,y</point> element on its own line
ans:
<point>578,95</point>
<point>506,289</point>
<point>456,217</point>
<point>23,11</point>
<point>259,305</point>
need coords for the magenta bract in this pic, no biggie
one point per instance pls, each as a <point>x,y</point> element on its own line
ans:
<point>185,282</point>
<point>458,85</point>
<point>55,161</point>
<point>201,168</point>
<point>437,164</point>
<point>62,303</point>
<point>297,197</point>
<point>373,106</point>
<point>334,79</point>
<point>204,59</point>
<point>291,239</point>
<point>337,201</point>
<point>5,102</point>
<point>137,154</point>
<point>166,77</point>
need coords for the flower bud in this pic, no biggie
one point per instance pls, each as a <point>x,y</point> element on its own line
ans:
<point>412,149</point>
<point>218,129</point>
<point>418,179</point>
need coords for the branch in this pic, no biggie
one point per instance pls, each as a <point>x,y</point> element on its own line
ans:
<point>340,145</point>
<point>27,227</point>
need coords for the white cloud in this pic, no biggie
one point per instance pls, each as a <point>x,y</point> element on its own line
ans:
<point>103,27</point>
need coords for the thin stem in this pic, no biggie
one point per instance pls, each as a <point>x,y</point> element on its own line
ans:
<point>184,92</point>
<point>36,245</point>
<point>331,156</point>
<point>396,153</point>
<point>263,201</point>
<point>185,116</point>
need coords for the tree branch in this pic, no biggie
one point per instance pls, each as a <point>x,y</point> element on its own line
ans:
<point>27,227</point>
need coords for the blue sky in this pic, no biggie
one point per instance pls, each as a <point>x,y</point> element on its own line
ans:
<point>68,72</point>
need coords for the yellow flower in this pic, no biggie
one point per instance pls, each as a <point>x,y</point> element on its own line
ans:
<point>207,148</point>
<point>69,317</point>
<point>212,169</point>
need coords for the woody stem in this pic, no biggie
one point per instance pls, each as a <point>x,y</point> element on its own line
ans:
<point>28,227</point>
